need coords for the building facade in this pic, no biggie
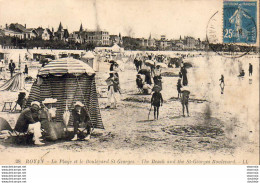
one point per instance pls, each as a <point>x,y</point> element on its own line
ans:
<point>98,38</point>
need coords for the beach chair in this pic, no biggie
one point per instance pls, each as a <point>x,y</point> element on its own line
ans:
<point>19,138</point>
<point>7,107</point>
<point>21,101</point>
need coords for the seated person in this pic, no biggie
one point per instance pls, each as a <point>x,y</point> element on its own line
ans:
<point>21,100</point>
<point>242,73</point>
<point>139,82</point>
<point>80,115</point>
<point>47,117</point>
<point>158,81</point>
<point>28,121</point>
<point>147,89</point>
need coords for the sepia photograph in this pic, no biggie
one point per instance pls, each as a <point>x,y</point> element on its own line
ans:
<point>120,82</point>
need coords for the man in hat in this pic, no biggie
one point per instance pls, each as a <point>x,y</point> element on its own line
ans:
<point>80,115</point>
<point>11,67</point>
<point>28,121</point>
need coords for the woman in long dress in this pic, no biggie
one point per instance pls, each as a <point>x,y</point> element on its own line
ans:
<point>184,76</point>
<point>111,92</point>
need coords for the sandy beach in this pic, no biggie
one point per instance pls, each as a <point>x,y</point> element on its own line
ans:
<point>220,125</point>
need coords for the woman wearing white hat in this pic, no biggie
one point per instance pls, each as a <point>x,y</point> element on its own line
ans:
<point>50,110</point>
<point>80,115</point>
<point>48,114</point>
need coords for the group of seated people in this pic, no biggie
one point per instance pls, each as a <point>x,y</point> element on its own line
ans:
<point>145,85</point>
<point>38,118</point>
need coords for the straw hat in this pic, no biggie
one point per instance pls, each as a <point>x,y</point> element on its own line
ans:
<point>78,103</point>
<point>36,103</point>
<point>49,100</point>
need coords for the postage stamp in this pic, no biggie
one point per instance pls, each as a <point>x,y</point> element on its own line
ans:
<point>239,22</point>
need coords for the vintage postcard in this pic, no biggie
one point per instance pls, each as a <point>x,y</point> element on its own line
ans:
<point>120,82</point>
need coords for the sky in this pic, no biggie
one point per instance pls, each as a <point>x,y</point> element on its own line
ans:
<point>137,18</point>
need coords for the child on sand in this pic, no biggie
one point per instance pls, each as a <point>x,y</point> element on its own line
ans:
<point>222,80</point>
<point>185,101</point>
<point>156,101</point>
<point>179,87</point>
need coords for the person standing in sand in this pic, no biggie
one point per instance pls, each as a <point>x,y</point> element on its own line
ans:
<point>250,69</point>
<point>179,88</point>
<point>111,91</point>
<point>222,82</point>
<point>11,67</point>
<point>184,76</point>
<point>26,70</point>
<point>156,101</point>
<point>185,101</point>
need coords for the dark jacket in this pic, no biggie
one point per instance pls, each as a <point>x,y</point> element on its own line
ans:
<point>26,117</point>
<point>11,66</point>
<point>157,99</point>
<point>26,70</point>
<point>82,117</point>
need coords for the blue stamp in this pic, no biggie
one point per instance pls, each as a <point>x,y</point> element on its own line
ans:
<point>239,22</point>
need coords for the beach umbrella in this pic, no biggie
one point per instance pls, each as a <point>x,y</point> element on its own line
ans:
<point>143,71</point>
<point>187,64</point>
<point>163,65</point>
<point>66,66</point>
<point>112,61</point>
<point>149,63</point>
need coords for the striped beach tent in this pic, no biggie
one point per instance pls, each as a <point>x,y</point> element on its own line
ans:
<point>14,84</point>
<point>68,80</point>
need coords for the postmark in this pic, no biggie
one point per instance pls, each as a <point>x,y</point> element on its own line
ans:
<point>236,35</point>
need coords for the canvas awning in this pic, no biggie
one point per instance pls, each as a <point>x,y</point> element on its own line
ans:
<point>66,66</point>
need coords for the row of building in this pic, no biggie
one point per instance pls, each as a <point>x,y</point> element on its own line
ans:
<point>187,43</point>
<point>99,37</point>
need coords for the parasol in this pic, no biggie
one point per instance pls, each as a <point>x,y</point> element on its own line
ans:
<point>66,66</point>
<point>143,71</point>
<point>163,65</point>
<point>66,115</point>
<point>112,61</point>
<point>149,63</point>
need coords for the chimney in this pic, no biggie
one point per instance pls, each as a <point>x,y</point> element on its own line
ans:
<point>25,25</point>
